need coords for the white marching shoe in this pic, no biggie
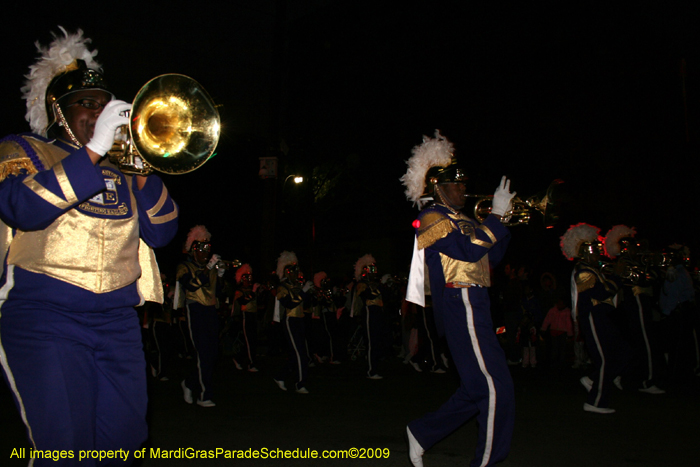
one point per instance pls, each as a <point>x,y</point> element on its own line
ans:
<point>415,451</point>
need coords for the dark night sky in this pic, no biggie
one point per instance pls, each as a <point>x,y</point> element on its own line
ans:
<point>592,96</point>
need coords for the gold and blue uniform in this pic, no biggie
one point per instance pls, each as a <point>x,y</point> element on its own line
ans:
<point>76,241</point>
<point>458,254</point>
<point>595,295</point>
<point>201,286</point>
<point>291,298</point>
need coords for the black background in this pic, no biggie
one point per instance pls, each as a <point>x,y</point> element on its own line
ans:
<point>592,95</point>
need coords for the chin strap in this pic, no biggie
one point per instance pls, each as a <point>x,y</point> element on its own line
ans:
<point>62,122</point>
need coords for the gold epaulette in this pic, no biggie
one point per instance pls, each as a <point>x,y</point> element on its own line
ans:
<point>282,291</point>
<point>434,226</point>
<point>585,280</point>
<point>14,160</point>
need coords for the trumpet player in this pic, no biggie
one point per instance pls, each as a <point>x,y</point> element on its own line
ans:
<point>451,259</point>
<point>199,283</point>
<point>76,234</point>
<point>593,298</point>
<point>634,305</point>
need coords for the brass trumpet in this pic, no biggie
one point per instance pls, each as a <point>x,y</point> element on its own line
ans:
<point>174,128</point>
<point>521,211</point>
<point>226,264</point>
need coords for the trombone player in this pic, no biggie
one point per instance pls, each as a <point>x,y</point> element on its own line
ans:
<point>76,233</point>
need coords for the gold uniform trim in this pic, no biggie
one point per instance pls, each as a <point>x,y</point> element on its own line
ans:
<point>296,312</point>
<point>639,290</point>
<point>161,201</point>
<point>464,272</point>
<point>488,232</point>
<point>99,255</point>
<point>203,295</point>
<point>159,205</point>
<point>48,196</point>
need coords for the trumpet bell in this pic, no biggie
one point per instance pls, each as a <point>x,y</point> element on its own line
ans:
<point>174,124</point>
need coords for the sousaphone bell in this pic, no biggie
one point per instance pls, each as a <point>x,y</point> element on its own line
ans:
<point>174,128</point>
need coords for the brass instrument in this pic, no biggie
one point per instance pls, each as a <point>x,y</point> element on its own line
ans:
<point>521,211</point>
<point>225,264</point>
<point>632,274</point>
<point>174,128</point>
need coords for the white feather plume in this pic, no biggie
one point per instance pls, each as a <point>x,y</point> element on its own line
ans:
<point>53,60</point>
<point>612,239</point>
<point>576,235</point>
<point>433,152</point>
<point>287,257</point>
<point>361,263</point>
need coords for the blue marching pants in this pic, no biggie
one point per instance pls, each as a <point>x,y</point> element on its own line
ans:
<point>78,378</point>
<point>204,332</point>
<point>298,361</point>
<point>486,390</point>
<point>608,351</point>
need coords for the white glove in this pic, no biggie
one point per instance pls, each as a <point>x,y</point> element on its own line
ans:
<point>307,286</point>
<point>107,123</point>
<point>220,272</point>
<point>502,198</point>
<point>212,262</point>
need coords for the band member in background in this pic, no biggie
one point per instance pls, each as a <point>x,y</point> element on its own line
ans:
<point>199,282</point>
<point>245,305</point>
<point>289,310</point>
<point>369,305</point>
<point>634,305</point>
<point>593,296</point>
<point>326,324</point>
<point>75,237</point>
<point>452,257</point>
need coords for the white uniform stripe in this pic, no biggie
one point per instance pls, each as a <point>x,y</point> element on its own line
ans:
<point>330,337</point>
<point>247,343</point>
<point>646,338</point>
<point>489,380</point>
<point>155,339</point>
<point>4,292</point>
<point>199,364</point>
<point>369,344</point>
<point>601,374</point>
<point>296,351</point>
<point>430,338</point>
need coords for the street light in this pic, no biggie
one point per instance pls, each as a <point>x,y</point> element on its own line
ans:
<point>297,179</point>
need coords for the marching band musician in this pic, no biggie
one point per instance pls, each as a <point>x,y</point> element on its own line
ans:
<point>325,310</point>
<point>245,304</point>
<point>76,234</point>
<point>368,298</point>
<point>457,252</point>
<point>635,303</point>
<point>593,298</point>
<point>289,310</point>
<point>199,283</point>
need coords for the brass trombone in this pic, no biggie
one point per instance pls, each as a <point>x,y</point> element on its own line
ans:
<point>174,128</point>
<point>521,211</point>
